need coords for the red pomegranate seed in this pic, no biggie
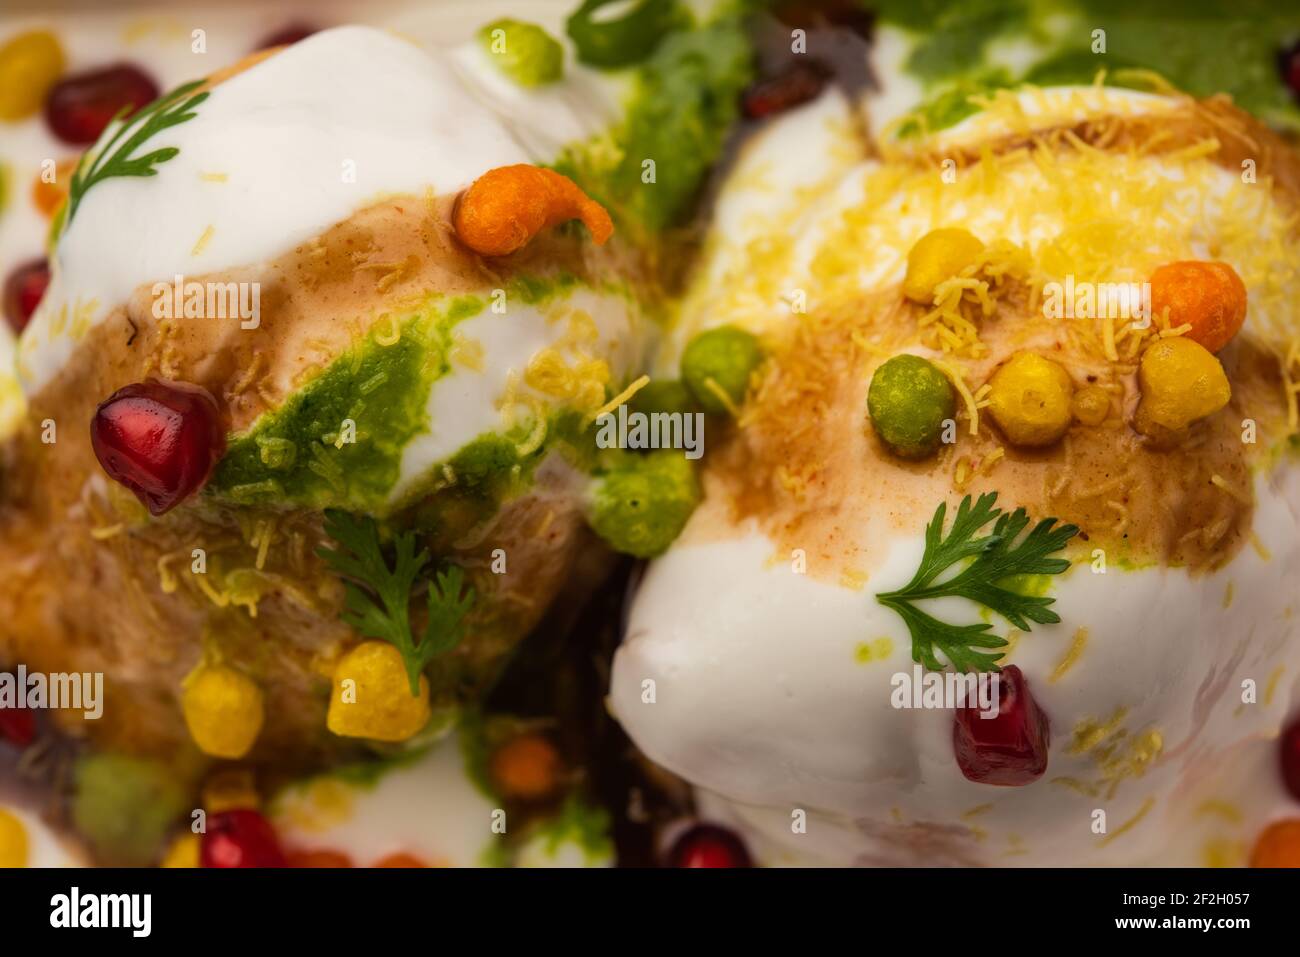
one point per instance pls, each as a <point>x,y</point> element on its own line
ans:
<point>24,289</point>
<point>17,725</point>
<point>707,845</point>
<point>159,439</point>
<point>1289,752</point>
<point>240,838</point>
<point>1288,62</point>
<point>1009,749</point>
<point>79,107</point>
<point>287,36</point>
<point>798,83</point>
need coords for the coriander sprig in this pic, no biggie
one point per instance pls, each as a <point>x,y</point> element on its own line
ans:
<point>381,609</point>
<point>996,557</point>
<point>170,110</point>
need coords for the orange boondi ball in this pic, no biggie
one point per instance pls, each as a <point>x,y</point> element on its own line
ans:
<point>1208,296</point>
<point>48,196</point>
<point>526,768</point>
<point>400,860</point>
<point>506,207</point>
<point>1278,845</point>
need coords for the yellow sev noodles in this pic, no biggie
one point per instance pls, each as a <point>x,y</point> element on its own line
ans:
<point>1052,205</point>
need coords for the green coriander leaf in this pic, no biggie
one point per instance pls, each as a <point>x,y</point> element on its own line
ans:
<point>448,607</point>
<point>956,642</point>
<point>113,160</point>
<point>991,560</point>
<point>377,598</point>
<point>942,553</point>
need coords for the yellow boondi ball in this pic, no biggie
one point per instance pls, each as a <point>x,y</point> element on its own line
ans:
<point>223,710</point>
<point>1030,399</point>
<point>1181,382</point>
<point>183,852</point>
<point>13,841</point>
<point>938,255</point>
<point>30,63</point>
<point>229,789</point>
<point>372,696</point>
<point>1091,405</point>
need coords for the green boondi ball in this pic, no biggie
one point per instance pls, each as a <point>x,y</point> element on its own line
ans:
<point>125,806</point>
<point>720,359</point>
<point>663,395</point>
<point>523,51</point>
<point>641,506</point>
<point>908,400</point>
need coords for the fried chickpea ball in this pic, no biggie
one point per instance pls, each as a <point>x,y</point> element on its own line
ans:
<point>1208,296</point>
<point>506,207</point>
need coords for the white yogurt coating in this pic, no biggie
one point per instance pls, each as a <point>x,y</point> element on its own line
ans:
<point>466,402</point>
<point>778,187</point>
<point>45,847</point>
<point>304,140</point>
<point>161,42</point>
<point>287,135</point>
<point>897,92</point>
<point>760,698</point>
<point>544,118</point>
<point>429,809</point>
